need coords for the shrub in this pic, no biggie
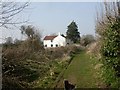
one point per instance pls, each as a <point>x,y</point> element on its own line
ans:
<point>22,65</point>
<point>87,39</point>
<point>108,27</point>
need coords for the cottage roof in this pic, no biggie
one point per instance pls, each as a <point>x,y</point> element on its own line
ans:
<point>49,37</point>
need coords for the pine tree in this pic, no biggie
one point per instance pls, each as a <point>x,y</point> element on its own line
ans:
<point>72,32</point>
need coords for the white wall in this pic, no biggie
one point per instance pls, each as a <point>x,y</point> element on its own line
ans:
<point>59,40</point>
<point>47,42</point>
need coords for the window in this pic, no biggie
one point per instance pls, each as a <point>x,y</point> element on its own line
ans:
<point>56,45</point>
<point>51,40</point>
<point>45,45</point>
<point>51,45</point>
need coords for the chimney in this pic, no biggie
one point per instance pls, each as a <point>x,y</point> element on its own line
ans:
<point>59,34</point>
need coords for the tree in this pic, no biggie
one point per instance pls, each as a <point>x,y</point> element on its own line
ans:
<point>87,39</point>
<point>9,10</point>
<point>9,40</point>
<point>34,37</point>
<point>27,30</point>
<point>72,32</point>
<point>17,42</point>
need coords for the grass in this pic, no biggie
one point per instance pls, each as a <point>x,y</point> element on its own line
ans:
<point>82,72</point>
<point>56,67</point>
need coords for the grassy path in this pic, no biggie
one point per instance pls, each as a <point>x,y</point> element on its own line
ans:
<point>82,72</point>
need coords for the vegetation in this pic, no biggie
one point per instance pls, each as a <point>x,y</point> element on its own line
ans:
<point>108,28</point>
<point>87,39</point>
<point>84,71</point>
<point>72,32</point>
<point>9,10</point>
<point>28,65</point>
<point>21,63</point>
<point>9,40</point>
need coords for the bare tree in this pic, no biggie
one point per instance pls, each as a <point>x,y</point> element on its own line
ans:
<point>109,15</point>
<point>8,12</point>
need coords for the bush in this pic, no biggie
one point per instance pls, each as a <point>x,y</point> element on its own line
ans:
<point>110,52</point>
<point>108,27</point>
<point>87,39</point>
<point>21,65</point>
<point>60,52</point>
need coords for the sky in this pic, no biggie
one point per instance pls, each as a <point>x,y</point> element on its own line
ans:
<point>54,17</point>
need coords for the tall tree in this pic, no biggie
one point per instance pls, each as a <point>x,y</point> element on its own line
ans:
<point>72,32</point>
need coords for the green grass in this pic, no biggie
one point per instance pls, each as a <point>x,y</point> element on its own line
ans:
<point>48,80</point>
<point>82,72</point>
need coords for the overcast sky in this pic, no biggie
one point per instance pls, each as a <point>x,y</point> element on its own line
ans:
<point>55,17</point>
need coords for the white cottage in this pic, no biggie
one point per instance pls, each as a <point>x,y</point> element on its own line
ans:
<point>54,41</point>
